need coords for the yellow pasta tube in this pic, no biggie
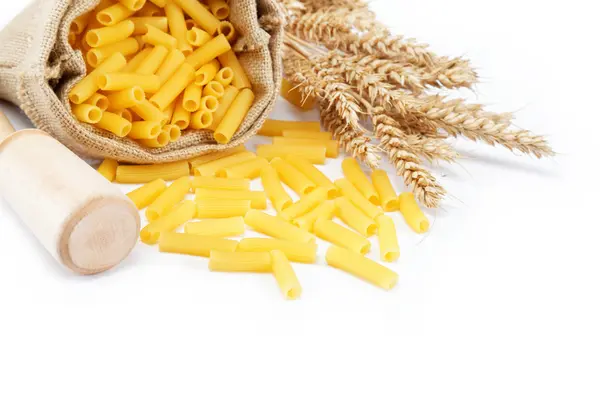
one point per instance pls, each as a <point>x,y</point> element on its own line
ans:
<point>208,52</point>
<point>332,146</point>
<point>190,24</point>
<point>294,96</point>
<point>181,117</point>
<point>169,111</point>
<point>160,4</point>
<point>226,261</point>
<point>143,196</point>
<point>359,179</point>
<point>285,276</point>
<point>145,130</point>
<point>156,37</point>
<point>87,113</point>
<point>214,156</point>
<point>209,182</point>
<point>341,236</point>
<point>114,14</point>
<point>173,87</point>
<point>197,37</point>
<point>201,120</point>
<point>172,63</point>
<point>150,9</point>
<point>199,14</point>
<point>305,204</point>
<point>149,173</point>
<point>219,8</point>
<point>292,177</point>
<point>86,88</point>
<point>224,76</point>
<point>361,267</point>
<point>127,98</point>
<point>167,199</point>
<point>313,154</point>
<point>220,208</point>
<point>247,170</point>
<point>415,218</point>
<point>389,248</point>
<point>226,29</point>
<point>277,227</point>
<point>118,81</point>
<point>316,176</point>
<point>356,198</point>
<point>215,89</point>
<point>354,218</point>
<point>191,98</point>
<point>305,253</point>
<point>133,5</point>
<point>194,245</point>
<point>209,103</point>
<point>108,169</point>
<point>178,216</point>
<point>177,26</point>
<point>258,200</point>
<point>124,113</point>
<point>387,195</point>
<point>173,131</point>
<point>80,23</point>
<point>224,227</point>
<point>225,103</point>
<point>149,112</point>
<point>126,47</point>
<point>98,100</point>
<point>141,24</point>
<point>234,116</point>
<point>240,79</point>
<point>153,61</point>
<point>211,168</point>
<point>109,35</point>
<point>114,124</point>
<point>135,62</point>
<point>306,134</point>
<point>274,189</point>
<point>207,73</point>
<point>324,211</point>
<point>160,141</point>
<point>276,128</point>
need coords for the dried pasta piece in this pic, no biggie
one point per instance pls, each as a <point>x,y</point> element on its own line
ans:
<point>118,81</point>
<point>150,9</point>
<point>181,117</point>
<point>224,261</point>
<point>389,249</point>
<point>200,15</point>
<point>305,253</point>
<point>219,8</point>
<point>224,227</point>
<point>274,189</point>
<point>149,112</point>
<point>176,217</point>
<point>114,14</point>
<point>314,154</point>
<point>87,113</point>
<point>136,61</point>
<point>172,63</point>
<point>213,88</point>
<point>387,195</point>
<point>160,141</point>
<point>108,169</point>
<point>240,78</point>
<point>294,96</point>
<point>151,64</point>
<point>355,218</point>
<point>225,76</point>
<point>191,98</point>
<point>133,5</point>
<point>114,124</point>
<point>276,128</point>
<point>80,23</point>
<point>324,211</point>
<point>126,47</point>
<point>201,120</point>
<point>414,216</point>
<point>177,26</point>
<point>99,100</point>
<point>227,29</point>
<point>225,103</point>
<point>211,168</point>
<point>173,87</point>
<point>341,236</point>
<point>332,146</point>
<point>276,227</point>
<point>219,208</point>
<point>194,245</point>
<point>126,98</point>
<point>197,37</point>
<point>209,104</point>
<point>145,195</point>
<point>250,169</point>
<point>361,267</point>
<point>209,182</point>
<point>305,204</point>
<point>258,200</point>
<point>156,37</point>
<point>109,35</point>
<point>214,156</point>
<point>145,130</point>
<point>141,28</point>
<point>292,177</point>
<point>285,276</point>
<point>306,134</point>
<point>86,88</point>
<point>173,195</point>
<point>359,179</point>
<point>208,52</point>
<point>149,173</point>
<point>351,193</point>
<point>316,176</point>
<point>207,73</point>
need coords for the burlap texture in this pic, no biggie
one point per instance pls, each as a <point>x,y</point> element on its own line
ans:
<point>38,67</point>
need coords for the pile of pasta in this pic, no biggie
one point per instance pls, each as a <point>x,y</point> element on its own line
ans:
<point>224,205</point>
<point>159,67</point>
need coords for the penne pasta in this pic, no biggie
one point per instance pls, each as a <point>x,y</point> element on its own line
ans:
<point>167,199</point>
<point>124,113</point>
<point>224,76</point>
<point>86,88</point>
<point>149,173</point>
<point>359,179</point>
<point>199,14</point>
<point>294,96</point>
<point>351,193</point>
<point>201,120</point>
<point>332,146</point>
<point>160,141</point>
<point>324,211</point>
<point>240,78</point>
<point>217,90</point>
<point>98,55</point>
<point>292,177</point>
<point>225,103</point>
<point>197,37</point>
<point>114,14</point>
<point>214,156</point>
<point>389,248</point>
<point>172,63</point>
<point>145,130</point>
<point>208,52</point>
<point>141,28</point>
<point>178,216</point>
<point>181,117</point>
<point>219,208</point>
<point>87,113</point>
<point>226,261</point>
<point>126,98</point>
<point>80,23</point>
<point>109,35</point>
<point>361,267</point>
<point>316,176</point>
<point>207,73</point>
<point>152,63</point>
<point>224,227</point>
<point>191,98</point>
<point>150,9</point>
<point>177,26</point>
<point>133,5</point>
<point>274,189</point>
<point>194,245</point>
<point>341,236</point>
<point>98,100</point>
<point>285,276</point>
<point>211,168</point>
<point>387,194</point>
<point>209,182</point>
<point>414,217</point>
<point>118,81</point>
<point>304,205</point>
<point>250,169</point>
<point>295,251</point>
<point>143,196</point>
<point>173,131</point>
<point>114,124</point>
<point>276,128</point>
<point>209,103</point>
<point>149,112</point>
<point>258,200</point>
<point>226,29</point>
<point>313,154</point>
<point>108,169</point>
<point>307,134</point>
<point>156,37</point>
<point>219,8</point>
<point>276,227</point>
<point>354,218</point>
<point>136,61</point>
<point>173,87</point>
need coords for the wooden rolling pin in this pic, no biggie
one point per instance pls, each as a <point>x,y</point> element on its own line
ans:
<point>83,220</point>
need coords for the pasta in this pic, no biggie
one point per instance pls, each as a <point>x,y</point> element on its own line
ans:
<point>80,23</point>
<point>247,170</point>
<point>86,88</point>
<point>388,239</point>
<point>179,215</point>
<point>173,131</point>
<point>145,130</point>
<point>240,79</point>
<point>173,87</point>
<point>126,47</point>
<point>292,177</point>
<point>324,211</point>
<point>314,154</point>
<point>148,173</point>
<point>387,195</point>
<point>219,208</point>
<point>226,29</point>
<point>87,113</point>
<point>258,200</point>
<point>152,62</point>
<point>150,9</point>
<point>211,168</point>
<point>305,204</point>
<point>160,4</point>
<point>161,140</point>
<point>167,199</point>
<point>415,218</point>
<point>211,50</point>
<point>351,193</point>
<point>225,227</point>
<point>177,26</point>
<point>140,24</point>
<point>217,155</point>
<point>207,73</point>
<point>199,14</point>
<point>194,245</point>
<point>219,8</point>
<point>224,76</point>
<point>108,169</point>
<point>316,176</point>
<point>191,98</point>
<point>354,218</point>
<point>114,14</point>
<point>226,261</point>
<point>201,120</point>
<point>341,236</point>
<point>114,124</point>
<point>276,227</point>
<point>217,90</point>
<point>181,117</point>
<point>156,37</point>
<point>361,267</point>
<point>274,189</point>
<point>294,96</point>
<point>197,37</point>
<point>172,63</point>
<point>98,100</point>
<point>224,104</point>
<point>209,103</point>
<point>285,276</point>
<point>306,134</point>
<point>276,128</point>
<point>332,147</point>
<point>118,81</point>
<point>126,98</point>
<point>357,177</point>
<point>149,112</point>
<point>133,5</point>
<point>295,251</point>
<point>208,182</point>
<point>143,196</point>
<point>109,35</point>
<point>136,61</point>
<point>125,114</point>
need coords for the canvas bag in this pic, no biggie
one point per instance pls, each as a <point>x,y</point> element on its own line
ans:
<point>38,68</point>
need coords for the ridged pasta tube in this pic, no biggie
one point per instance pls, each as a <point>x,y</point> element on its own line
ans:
<point>387,195</point>
<point>341,236</point>
<point>274,189</point>
<point>194,245</point>
<point>354,218</point>
<point>389,248</point>
<point>276,227</point>
<point>305,204</point>
<point>178,216</point>
<point>351,193</point>
<point>361,267</point>
<point>292,177</point>
<point>219,208</point>
<point>223,261</point>
<point>167,199</point>
<point>295,251</point>
<point>143,196</point>
<point>224,227</point>
<point>258,200</point>
<point>415,218</point>
<point>312,173</point>
<point>359,179</point>
<point>285,276</point>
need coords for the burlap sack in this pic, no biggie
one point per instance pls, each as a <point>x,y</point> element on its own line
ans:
<point>38,68</point>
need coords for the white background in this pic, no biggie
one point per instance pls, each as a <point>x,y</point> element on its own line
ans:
<point>499,301</point>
